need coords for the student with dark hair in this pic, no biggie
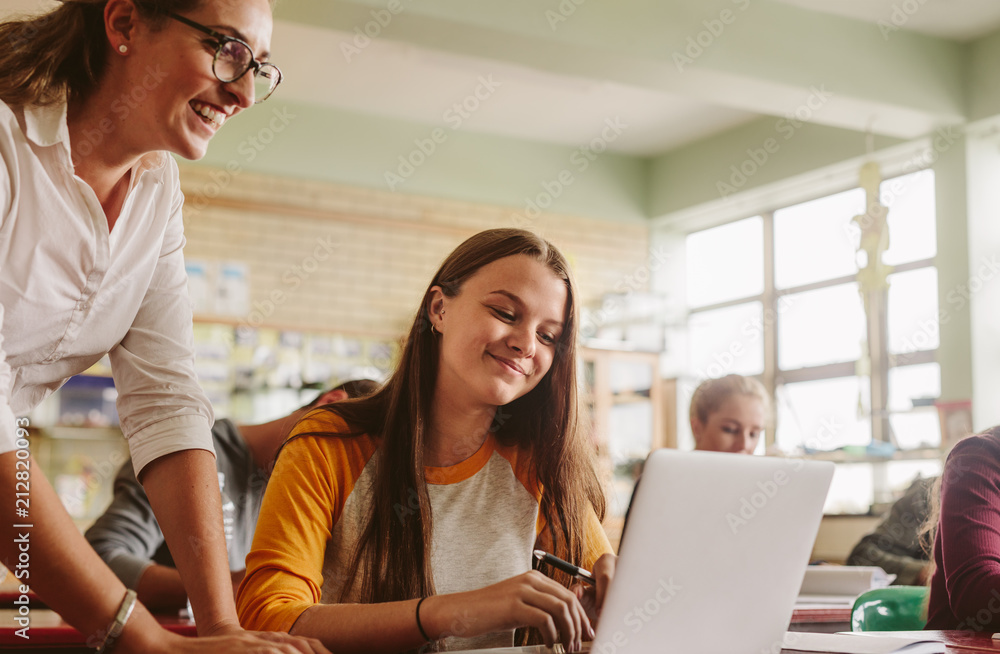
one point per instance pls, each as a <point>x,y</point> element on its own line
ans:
<point>129,540</point>
<point>94,96</point>
<point>896,545</point>
<point>410,516</point>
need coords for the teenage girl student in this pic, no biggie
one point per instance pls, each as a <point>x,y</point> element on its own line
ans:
<point>94,95</point>
<point>728,414</point>
<point>411,515</point>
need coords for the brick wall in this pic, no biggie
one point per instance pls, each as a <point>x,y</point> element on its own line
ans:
<point>353,260</point>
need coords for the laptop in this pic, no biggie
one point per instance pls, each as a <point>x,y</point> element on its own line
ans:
<point>714,554</point>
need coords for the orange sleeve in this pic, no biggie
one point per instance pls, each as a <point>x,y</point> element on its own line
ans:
<point>596,541</point>
<point>312,479</point>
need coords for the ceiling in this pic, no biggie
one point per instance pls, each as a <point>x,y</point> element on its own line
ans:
<point>959,20</point>
<point>557,71</point>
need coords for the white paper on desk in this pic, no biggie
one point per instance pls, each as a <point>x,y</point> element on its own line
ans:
<point>821,605</point>
<point>837,584</point>
<point>858,644</point>
<point>839,601</point>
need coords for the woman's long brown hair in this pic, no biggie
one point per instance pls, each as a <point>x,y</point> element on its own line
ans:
<point>62,54</point>
<point>392,557</point>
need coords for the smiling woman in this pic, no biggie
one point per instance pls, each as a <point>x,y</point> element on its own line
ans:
<point>94,94</point>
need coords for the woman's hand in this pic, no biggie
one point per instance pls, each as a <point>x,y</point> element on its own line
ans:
<point>527,600</point>
<point>592,596</point>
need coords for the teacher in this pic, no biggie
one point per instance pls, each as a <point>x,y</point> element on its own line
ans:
<point>95,94</point>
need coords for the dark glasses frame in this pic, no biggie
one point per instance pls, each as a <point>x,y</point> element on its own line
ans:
<point>221,41</point>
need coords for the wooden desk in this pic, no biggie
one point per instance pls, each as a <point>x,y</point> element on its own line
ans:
<point>50,634</point>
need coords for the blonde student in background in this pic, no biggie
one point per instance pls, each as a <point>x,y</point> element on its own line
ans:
<point>728,414</point>
<point>410,516</point>
<point>94,97</point>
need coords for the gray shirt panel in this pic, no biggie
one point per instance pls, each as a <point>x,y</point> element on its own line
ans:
<point>484,532</point>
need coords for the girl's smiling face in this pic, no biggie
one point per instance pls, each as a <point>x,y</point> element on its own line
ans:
<point>500,332</point>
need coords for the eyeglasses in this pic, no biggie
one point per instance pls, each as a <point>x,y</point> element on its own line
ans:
<point>234,57</point>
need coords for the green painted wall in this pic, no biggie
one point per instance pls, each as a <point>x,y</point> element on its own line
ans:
<point>984,80</point>
<point>325,144</point>
<point>762,152</point>
<point>951,179</point>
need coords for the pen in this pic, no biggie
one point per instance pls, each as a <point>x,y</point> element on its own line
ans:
<point>565,566</point>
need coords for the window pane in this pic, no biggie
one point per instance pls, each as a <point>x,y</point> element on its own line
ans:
<point>902,473</point>
<point>912,212</point>
<point>630,431</point>
<point>913,311</point>
<point>729,340</point>
<point>824,414</point>
<point>820,327</point>
<point>816,241</point>
<point>851,490</point>
<point>920,382</point>
<point>921,428</point>
<point>918,426</point>
<point>725,263</point>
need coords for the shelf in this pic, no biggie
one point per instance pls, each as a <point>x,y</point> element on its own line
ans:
<point>921,454</point>
<point>59,432</point>
<point>630,398</point>
<point>236,321</point>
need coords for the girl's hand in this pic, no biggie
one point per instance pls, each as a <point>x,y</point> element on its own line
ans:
<point>527,600</point>
<point>592,596</point>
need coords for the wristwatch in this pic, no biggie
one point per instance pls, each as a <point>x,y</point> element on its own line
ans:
<point>115,630</point>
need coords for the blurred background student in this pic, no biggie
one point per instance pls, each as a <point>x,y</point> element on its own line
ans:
<point>128,538</point>
<point>728,414</point>
<point>896,545</point>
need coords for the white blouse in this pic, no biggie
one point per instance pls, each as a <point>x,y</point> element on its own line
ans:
<point>70,291</point>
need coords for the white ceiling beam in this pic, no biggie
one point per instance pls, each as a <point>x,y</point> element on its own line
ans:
<point>751,55</point>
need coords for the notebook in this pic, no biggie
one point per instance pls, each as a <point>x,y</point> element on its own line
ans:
<point>714,554</point>
<point>837,584</point>
<point>860,643</point>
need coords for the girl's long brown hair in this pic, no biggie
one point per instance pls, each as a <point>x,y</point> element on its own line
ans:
<point>392,557</point>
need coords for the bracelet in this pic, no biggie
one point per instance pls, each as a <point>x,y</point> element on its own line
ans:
<point>115,630</point>
<point>420,626</point>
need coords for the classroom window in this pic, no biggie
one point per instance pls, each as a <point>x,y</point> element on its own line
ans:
<point>814,241</point>
<point>913,311</point>
<point>824,414</point>
<point>801,287</point>
<point>820,327</point>
<point>912,416</point>
<point>727,340</point>
<point>726,263</point>
<point>912,224</point>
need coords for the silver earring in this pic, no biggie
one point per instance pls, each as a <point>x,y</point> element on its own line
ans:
<point>123,48</point>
